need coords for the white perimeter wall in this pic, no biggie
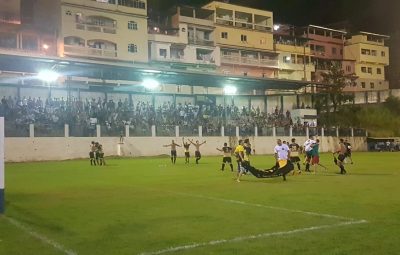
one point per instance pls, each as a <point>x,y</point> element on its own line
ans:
<point>41,149</point>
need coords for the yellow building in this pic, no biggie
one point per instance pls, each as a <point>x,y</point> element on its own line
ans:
<point>371,56</point>
<point>246,40</point>
<point>294,54</point>
<point>103,29</point>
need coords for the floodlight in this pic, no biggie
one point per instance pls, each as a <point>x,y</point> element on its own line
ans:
<point>45,46</point>
<point>276,27</point>
<point>230,90</point>
<point>151,84</point>
<point>48,76</point>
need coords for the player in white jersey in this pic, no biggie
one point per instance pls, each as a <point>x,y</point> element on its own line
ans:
<point>308,146</point>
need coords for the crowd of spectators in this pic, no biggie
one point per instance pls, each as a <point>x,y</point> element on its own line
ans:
<point>51,114</point>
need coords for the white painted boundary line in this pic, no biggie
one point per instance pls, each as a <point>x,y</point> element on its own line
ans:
<point>251,237</point>
<point>263,206</point>
<point>40,237</point>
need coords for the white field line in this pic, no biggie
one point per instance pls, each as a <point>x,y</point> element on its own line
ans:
<point>39,237</point>
<point>263,206</point>
<point>251,237</point>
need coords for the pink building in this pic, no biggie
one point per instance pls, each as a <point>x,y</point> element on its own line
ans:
<point>326,47</point>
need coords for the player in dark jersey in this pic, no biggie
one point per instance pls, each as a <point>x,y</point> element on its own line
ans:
<point>295,153</point>
<point>186,146</point>
<point>101,155</point>
<point>173,146</point>
<point>97,153</point>
<point>92,154</point>
<point>227,159</point>
<point>348,150</point>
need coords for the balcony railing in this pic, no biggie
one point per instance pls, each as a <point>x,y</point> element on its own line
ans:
<point>201,42</point>
<point>232,59</point>
<point>95,28</point>
<point>84,51</point>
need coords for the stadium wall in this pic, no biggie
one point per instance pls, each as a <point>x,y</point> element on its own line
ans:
<point>48,149</point>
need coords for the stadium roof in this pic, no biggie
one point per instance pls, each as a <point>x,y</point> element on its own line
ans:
<point>137,72</point>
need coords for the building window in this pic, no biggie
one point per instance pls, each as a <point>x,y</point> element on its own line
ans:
<point>365,52</point>
<point>379,71</point>
<point>286,59</point>
<point>373,53</point>
<point>348,68</point>
<point>163,53</point>
<point>133,3</point>
<point>243,38</point>
<point>334,51</point>
<point>383,54</point>
<point>68,13</point>
<point>363,85</point>
<point>363,69</point>
<point>132,48</point>
<point>370,70</point>
<point>132,25</point>
<point>372,85</point>
<point>224,35</point>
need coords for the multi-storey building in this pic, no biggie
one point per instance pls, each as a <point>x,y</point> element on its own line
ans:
<point>326,46</point>
<point>245,38</point>
<point>371,57</point>
<point>103,29</point>
<point>22,33</point>
<point>294,54</point>
<point>185,40</point>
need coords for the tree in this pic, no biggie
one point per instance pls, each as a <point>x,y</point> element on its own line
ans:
<point>336,80</point>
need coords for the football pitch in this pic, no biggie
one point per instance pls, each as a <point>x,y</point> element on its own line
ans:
<point>147,206</point>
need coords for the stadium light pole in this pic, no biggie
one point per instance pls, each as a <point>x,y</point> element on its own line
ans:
<point>2,187</point>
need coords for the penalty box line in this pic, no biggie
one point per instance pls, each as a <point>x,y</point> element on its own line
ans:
<point>40,237</point>
<point>251,237</point>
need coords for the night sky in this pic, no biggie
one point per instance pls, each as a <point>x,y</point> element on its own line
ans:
<point>378,16</point>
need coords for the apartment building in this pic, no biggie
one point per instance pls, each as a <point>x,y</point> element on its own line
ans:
<point>294,54</point>
<point>371,58</point>
<point>245,38</point>
<point>22,33</point>
<point>104,29</point>
<point>326,46</point>
<point>184,39</point>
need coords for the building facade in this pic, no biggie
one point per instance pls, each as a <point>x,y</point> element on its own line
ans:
<point>245,38</point>
<point>104,29</point>
<point>371,58</point>
<point>294,54</point>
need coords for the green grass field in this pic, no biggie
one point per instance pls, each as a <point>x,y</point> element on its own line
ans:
<point>148,206</point>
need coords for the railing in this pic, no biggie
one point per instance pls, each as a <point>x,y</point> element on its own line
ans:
<point>95,28</point>
<point>225,22</point>
<point>262,28</point>
<point>78,50</point>
<point>249,61</point>
<point>201,42</point>
<point>57,130</point>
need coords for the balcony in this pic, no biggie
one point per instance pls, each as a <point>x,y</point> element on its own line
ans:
<point>196,16</point>
<point>95,28</point>
<point>250,61</point>
<point>202,42</point>
<point>86,51</point>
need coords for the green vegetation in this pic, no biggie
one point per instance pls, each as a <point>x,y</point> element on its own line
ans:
<point>142,205</point>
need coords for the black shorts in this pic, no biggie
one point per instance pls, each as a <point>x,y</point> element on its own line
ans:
<point>187,154</point>
<point>197,154</point>
<point>309,156</point>
<point>227,160</point>
<point>341,157</point>
<point>173,153</point>
<point>295,159</point>
<point>91,154</point>
<point>97,155</point>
